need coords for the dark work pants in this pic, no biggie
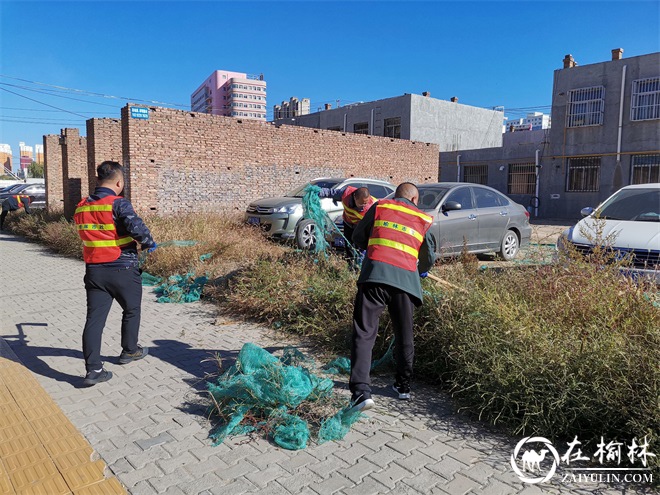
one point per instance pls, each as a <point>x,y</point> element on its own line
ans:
<point>370,302</point>
<point>349,248</point>
<point>103,285</point>
<point>3,215</point>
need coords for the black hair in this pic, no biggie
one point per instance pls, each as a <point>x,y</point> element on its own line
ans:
<point>109,170</point>
<point>406,190</point>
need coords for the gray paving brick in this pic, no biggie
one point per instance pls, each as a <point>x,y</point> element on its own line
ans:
<point>264,476</point>
<point>143,488</point>
<point>333,484</point>
<point>178,479</point>
<point>423,481</point>
<point>461,485</point>
<point>298,460</point>
<point>414,462</point>
<point>328,466</point>
<point>172,463</point>
<point>358,470</point>
<point>148,457</point>
<point>391,475</point>
<point>368,486</point>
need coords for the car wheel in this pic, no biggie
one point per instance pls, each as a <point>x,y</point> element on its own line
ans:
<point>510,246</point>
<point>306,234</point>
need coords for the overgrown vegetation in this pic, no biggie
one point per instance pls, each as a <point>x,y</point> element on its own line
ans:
<point>558,350</point>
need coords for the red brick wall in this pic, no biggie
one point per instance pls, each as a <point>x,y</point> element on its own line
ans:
<point>103,143</point>
<point>182,161</point>
<point>74,166</point>
<point>53,172</point>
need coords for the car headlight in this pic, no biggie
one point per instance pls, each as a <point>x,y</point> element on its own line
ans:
<point>290,209</point>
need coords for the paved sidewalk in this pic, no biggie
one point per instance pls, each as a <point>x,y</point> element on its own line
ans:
<point>148,426</point>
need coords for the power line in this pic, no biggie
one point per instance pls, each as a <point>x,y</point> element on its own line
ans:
<point>58,96</point>
<point>42,103</point>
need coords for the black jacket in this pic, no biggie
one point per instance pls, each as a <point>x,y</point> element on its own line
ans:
<point>128,223</point>
<point>11,204</point>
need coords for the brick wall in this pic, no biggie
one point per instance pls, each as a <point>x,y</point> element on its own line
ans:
<point>53,172</point>
<point>103,143</point>
<point>182,161</point>
<point>74,167</point>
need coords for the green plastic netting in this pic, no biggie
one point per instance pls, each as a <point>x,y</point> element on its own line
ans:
<point>181,289</point>
<point>342,365</point>
<point>261,393</point>
<point>313,210</point>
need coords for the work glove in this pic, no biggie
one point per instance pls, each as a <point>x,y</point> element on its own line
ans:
<point>423,274</point>
<point>152,248</point>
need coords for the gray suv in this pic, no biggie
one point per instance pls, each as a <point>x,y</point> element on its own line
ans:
<point>281,217</point>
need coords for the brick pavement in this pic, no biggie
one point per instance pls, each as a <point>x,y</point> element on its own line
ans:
<point>148,422</point>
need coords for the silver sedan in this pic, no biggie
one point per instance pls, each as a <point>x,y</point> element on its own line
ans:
<point>475,216</point>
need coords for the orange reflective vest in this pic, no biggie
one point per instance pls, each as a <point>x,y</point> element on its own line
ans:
<point>18,199</point>
<point>96,228</point>
<point>397,234</point>
<point>351,215</point>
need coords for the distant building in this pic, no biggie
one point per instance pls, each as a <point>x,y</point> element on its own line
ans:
<point>449,124</point>
<point>5,157</point>
<point>39,153</point>
<point>533,122</point>
<point>606,123</point>
<point>232,94</point>
<point>292,108</point>
<point>26,158</point>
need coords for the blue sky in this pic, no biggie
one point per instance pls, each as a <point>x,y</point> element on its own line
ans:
<point>485,53</point>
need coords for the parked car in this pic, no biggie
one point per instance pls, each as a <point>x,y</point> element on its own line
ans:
<point>281,217</point>
<point>11,187</point>
<point>475,216</point>
<point>629,223</point>
<point>38,191</point>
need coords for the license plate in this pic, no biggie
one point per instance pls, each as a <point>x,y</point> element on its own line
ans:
<point>253,220</point>
<point>338,242</point>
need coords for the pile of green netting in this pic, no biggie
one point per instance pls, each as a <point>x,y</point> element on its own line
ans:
<point>271,396</point>
<point>177,288</point>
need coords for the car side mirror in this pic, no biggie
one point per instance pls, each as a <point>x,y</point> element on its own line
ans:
<point>585,212</point>
<point>451,205</point>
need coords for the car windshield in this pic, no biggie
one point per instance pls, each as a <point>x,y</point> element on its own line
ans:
<point>322,183</point>
<point>430,197</point>
<point>641,205</point>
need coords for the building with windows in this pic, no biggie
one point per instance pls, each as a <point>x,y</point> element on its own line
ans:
<point>604,135</point>
<point>533,122</point>
<point>5,157</point>
<point>449,124</point>
<point>292,108</point>
<point>39,153</point>
<point>231,94</point>
<point>26,158</point>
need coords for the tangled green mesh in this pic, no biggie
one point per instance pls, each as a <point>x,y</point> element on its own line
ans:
<point>181,289</point>
<point>313,210</point>
<point>261,393</point>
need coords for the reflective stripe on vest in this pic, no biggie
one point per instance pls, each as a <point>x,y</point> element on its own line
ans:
<point>400,228</point>
<point>96,228</point>
<point>113,242</point>
<point>81,209</point>
<point>397,234</point>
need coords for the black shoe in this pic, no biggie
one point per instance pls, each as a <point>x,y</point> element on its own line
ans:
<point>402,389</point>
<point>361,402</point>
<point>129,357</point>
<point>94,377</point>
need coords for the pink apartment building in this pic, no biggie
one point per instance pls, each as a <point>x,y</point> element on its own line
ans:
<point>232,94</point>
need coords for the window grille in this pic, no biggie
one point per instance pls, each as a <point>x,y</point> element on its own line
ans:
<point>585,107</point>
<point>392,128</point>
<point>583,174</point>
<point>522,178</point>
<point>361,128</point>
<point>477,174</point>
<point>645,169</point>
<point>645,101</point>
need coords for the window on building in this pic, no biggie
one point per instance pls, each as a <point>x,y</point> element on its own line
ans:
<point>585,106</point>
<point>522,178</point>
<point>361,128</point>
<point>583,174</point>
<point>337,128</point>
<point>645,169</point>
<point>478,174</point>
<point>645,101</point>
<point>392,128</point>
